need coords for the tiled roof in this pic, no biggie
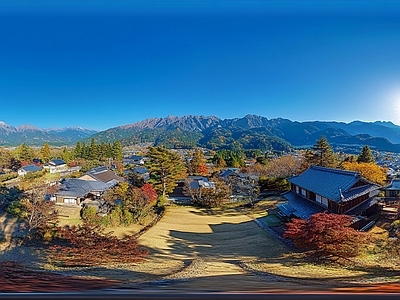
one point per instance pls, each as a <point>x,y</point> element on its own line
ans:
<point>105,175</point>
<point>333,184</point>
<point>299,206</point>
<point>31,168</point>
<point>140,170</point>
<point>362,207</point>
<point>395,185</point>
<point>57,162</point>
<point>79,188</point>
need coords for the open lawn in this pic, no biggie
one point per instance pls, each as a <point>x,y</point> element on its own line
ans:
<point>225,250</point>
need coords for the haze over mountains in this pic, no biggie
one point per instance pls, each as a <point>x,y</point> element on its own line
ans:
<point>31,135</point>
<point>248,132</point>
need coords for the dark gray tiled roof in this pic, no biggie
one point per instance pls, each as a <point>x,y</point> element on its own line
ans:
<point>299,206</point>
<point>332,184</point>
<point>57,162</point>
<point>140,170</point>
<point>362,207</point>
<point>75,187</point>
<point>31,168</point>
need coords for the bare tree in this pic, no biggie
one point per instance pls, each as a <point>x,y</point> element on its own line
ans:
<point>38,212</point>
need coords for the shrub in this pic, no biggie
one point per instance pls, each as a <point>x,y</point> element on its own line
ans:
<point>16,209</point>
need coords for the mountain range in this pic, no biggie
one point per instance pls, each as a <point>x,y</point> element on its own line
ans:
<point>34,136</point>
<point>248,132</point>
<point>253,132</point>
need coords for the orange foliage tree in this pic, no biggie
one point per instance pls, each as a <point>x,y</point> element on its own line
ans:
<point>369,171</point>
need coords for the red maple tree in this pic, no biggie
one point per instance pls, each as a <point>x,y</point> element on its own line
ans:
<point>326,236</point>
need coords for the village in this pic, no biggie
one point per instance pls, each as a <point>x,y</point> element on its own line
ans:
<point>202,214</point>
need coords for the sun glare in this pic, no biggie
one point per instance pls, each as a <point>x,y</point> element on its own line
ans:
<point>393,108</point>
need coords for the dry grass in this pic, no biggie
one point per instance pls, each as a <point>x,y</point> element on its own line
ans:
<point>226,245</point>
<point>68,215</point>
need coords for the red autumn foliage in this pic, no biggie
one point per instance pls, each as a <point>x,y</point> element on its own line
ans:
<point>89,245</point>
<point>326,235</point>
<point>149,192</point>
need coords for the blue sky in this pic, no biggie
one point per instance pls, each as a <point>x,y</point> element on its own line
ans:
<point>101,64</point>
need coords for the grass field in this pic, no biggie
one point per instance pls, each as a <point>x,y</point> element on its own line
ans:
<point>217,248</point>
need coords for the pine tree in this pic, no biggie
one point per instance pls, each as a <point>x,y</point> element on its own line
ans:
<point>366,156</point>
<point>117,151</point>
<point>165,167</point>
<point>324,155</point>
<point>25,153</point>
<point>94,150</point>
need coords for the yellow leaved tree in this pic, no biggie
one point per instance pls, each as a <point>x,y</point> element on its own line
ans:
<point>369,171</point>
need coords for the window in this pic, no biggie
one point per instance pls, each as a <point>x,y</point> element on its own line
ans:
<point>70,200</point>
<point>324,201</point>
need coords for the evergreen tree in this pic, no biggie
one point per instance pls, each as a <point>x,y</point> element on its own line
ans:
<point>94,150</point>
<point>24,152</point>
<point>366,156</point>
<point>78,150</point>
<point>45,153</point>
<point>117,150</point>
<point>166,168</point>
<point>66,155</point>
<point>323,154</point>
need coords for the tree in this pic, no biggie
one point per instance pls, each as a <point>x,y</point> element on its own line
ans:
<point>196,164</point>
<point>369,171</point>
<point>229,158</point>
<point>24,153</point>
<point>94,150</point>
<point>89,245</point>
<point>284,166</point>
<point>45,153</point>
<point>5,159</point>
<point>66,155</point>
<point>326,236</point>
<point>166,168</point>
<point>212,196</point>
<point>366,156</point>
<point>323,154</point>
<point>117,151</point>
<point>37,212</point>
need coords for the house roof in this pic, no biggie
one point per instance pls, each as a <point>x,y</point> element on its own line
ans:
<point>299,206</point>
<point>394,185</point>
<point>228,172</point>
<point>104,175</point>
<point>136,157</point>
<point>57,162</point>
<point>76,187</point>
<point>334,184</point>
<point>31,168</point>
<point>140,170</point>
<point>200,181</point>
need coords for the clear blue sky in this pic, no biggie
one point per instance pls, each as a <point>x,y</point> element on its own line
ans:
<point>101,64</point>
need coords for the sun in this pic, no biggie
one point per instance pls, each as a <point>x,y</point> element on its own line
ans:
<point>393,106</point>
